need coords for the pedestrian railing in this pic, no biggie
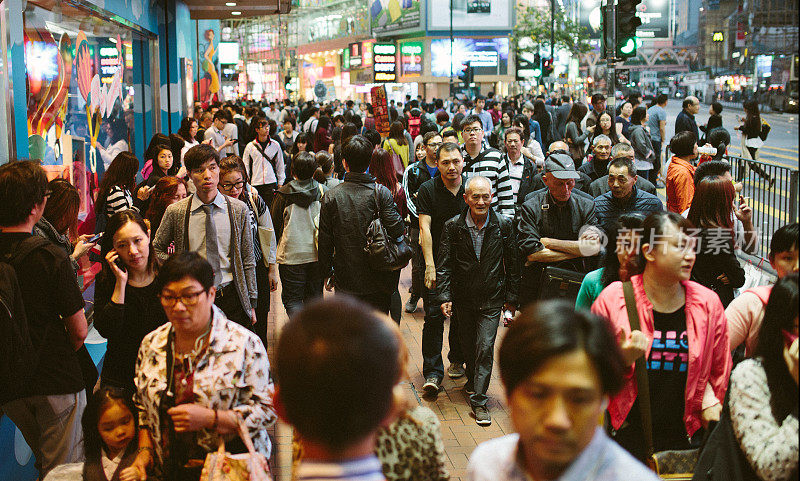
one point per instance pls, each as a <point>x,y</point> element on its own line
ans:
<point>772,191</point>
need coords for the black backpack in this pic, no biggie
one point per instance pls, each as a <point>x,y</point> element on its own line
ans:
<point>18,359</point>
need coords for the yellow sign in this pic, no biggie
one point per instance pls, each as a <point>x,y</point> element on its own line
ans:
<point>717,37</point>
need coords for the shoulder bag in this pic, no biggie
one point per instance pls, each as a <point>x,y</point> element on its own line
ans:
<point>265,234</point>
<point>384,253</point>
<point>561,283</point>
<point>672,464</point>
<point>223,466</point>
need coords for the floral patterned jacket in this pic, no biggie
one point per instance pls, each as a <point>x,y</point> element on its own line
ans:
<point>231,374</point>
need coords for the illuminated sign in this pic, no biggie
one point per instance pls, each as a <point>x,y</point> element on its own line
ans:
<point>109,63</point>
<point>366,53</point>
<point>487,56</point>
<point>384,57</point>
<point>411,59</point>
<point>354,50</point>
<point>717,37</point>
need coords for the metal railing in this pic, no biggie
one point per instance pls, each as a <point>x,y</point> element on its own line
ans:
<point>772,191</point>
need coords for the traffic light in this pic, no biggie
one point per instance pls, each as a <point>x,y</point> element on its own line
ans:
<point>467,74</point>
<point>547,67</point>
<point>537,65</point>
<point>627,22</point>
<point>288,84</point>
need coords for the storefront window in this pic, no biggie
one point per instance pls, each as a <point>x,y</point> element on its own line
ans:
<point>89,92</point>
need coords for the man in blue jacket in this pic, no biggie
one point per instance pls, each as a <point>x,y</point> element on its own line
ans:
<point>624,197</point>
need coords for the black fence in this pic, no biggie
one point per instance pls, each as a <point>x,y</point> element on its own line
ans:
<point>772,191</point>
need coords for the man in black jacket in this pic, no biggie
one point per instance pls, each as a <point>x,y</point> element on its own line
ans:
<point>477,277</point>
<point>415,175</point>
<point>685,120</point>
<point>624,197</point>
<point>345,213</point>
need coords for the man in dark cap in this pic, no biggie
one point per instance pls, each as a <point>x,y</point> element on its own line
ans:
<point>556,228</point>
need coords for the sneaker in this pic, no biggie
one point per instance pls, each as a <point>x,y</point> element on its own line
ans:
<point>432,385</point>
<point>469,389</point>
<point>411,305</point>
<point>482,416</point>
<point>456,371</point>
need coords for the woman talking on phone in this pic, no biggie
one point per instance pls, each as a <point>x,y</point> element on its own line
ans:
<point>126,298</point>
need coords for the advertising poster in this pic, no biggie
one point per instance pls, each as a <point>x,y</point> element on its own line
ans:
<point>470,14</point>
<point>380,109</point>
<point>654,15</point>
<point>385,62</point>
<point>488,56</point>
<point>390,15</point>
<point>411,59</point>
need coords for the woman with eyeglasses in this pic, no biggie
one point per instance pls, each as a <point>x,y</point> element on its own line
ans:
<point>233,183</point>
<point>126,297</point>
<point>196,376</point>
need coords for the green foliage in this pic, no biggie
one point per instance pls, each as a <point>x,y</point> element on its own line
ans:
<point>534,24</point>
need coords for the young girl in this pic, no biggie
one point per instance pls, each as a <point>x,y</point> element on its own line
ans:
<point>109,437</point>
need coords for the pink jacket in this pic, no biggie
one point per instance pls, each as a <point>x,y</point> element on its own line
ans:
<point>709,351</point>
<point>744,315</point>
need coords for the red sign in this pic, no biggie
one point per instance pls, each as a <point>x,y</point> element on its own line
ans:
<point>380,109</point>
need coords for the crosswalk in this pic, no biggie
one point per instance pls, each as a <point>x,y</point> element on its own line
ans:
<point>772,155</point>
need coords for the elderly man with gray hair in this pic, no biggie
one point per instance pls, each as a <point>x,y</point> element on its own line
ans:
<point>601,186</point>
<point>596,164</point>
<point>478,280</point>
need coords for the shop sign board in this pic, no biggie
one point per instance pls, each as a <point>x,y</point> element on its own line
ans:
<point>385,62</point>
<point>391,15</point>
<point>380,109</point>
<point>110,62</point>
<point>411,59</point>
<point>345,60</point>
<point>487,56</point>
<point>355,53</point>
<point>470,15</point>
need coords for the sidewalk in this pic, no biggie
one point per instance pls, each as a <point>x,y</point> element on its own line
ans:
<point>459,431</point>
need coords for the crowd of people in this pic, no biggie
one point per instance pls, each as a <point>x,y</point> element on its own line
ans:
<point>538,213</point>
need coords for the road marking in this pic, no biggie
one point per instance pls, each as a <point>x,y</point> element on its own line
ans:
<point>766,158</point>
<point>779,148</point>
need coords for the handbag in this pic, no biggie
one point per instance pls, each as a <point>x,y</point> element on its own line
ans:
<point>671,464</point>
<point>384,253</point>
<point>223,466</point>
<point>561,284</point>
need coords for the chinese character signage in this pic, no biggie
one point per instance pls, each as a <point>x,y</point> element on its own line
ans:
<point>380,109</point>
<point>411,59</point>
<point>384,58</point>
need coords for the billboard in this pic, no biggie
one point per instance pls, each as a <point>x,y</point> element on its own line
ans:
<point>390,15</point>
<point>385,62</point>
<point>488,56</point>
<point>654,15</point>
<point>411,59</point>
<point>470,14</point>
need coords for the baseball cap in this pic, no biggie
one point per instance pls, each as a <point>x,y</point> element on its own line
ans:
<point>561,166</point>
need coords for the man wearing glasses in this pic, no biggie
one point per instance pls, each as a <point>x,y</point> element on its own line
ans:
<point>218,228</point>
<point>685,120</point>
<point>487,162</point>
<point>415,175</point>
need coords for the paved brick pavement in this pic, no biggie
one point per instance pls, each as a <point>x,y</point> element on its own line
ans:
<point>459,431</point>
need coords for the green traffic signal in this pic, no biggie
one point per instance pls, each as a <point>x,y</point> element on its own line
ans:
<point>537,72</point>
<point>629,46</point>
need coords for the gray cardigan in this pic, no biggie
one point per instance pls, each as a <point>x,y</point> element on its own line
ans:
<point>174,229</point>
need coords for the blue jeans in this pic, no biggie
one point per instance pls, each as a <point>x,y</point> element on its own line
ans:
<point>300,283</point>
<point>432,338</point>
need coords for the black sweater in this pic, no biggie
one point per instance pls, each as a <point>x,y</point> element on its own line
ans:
<point>124,326</point>
<point>716,256</point>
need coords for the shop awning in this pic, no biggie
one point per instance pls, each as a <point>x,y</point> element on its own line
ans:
<point>232,9</point>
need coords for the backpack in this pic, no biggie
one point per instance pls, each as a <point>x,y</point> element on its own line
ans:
<point>18,358</point>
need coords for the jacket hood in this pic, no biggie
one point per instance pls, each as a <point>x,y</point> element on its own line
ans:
<point>301,192</point>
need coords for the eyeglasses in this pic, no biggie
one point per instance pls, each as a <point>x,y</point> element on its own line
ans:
<point>435,145</point>
<point>189,299</point>
<point>472,130</point>
<point>228,187</point>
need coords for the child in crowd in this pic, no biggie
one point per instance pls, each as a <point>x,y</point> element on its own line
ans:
<point>110,437</point>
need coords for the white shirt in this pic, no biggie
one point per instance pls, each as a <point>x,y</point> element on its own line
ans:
<point>311,125</point>
<point>186,147</point>
<point>259,168</point>
<point>217,139</point>
<point>110,465</point>
<point>222,223</point>
<point>273,114</point>
<point>515,173</point>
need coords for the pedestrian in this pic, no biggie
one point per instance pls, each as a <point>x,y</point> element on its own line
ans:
<point>263,159</point>
<point>623,120</point>
<point>322,135</point>
<point>217,227</point>
<point>746,312</point>
<point>685,121</point>
<point>346,212</point>
<point>521,168</point>
<point>620,262</point>
<point>188,133</point>
<point>476,278</point>
<point>596,164</point>
<point>438,200</point>
<point>680,321</point>
<point>486,119</point>
<point>397,144</point>
<point>534,129</point>
<point>573,134</point>
<point>714,120</point>
<point>640,141</point>
<point>657,124</point>
<point>541,115</point>
<point>360,363</point>
<point>556,227</point>
<point>218,138</point>
<point>561,116</point>
<point>601,186</point>
<point>116,187</point>
<point>45,396</point>
<point>166,192</point>
<point>623,197</point>
<point>598,103</point>
<point>559,368</point>
<point>751,130</point>
<point>126,296</point>
<point>680,173</point>
<point>480,159</point>
<point>605,126</point>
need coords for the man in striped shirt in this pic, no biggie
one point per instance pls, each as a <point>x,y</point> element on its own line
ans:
<point>487,162</point>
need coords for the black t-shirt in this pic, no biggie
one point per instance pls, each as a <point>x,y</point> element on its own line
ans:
<point>50,293</point>
<point>666,375</point>
<point>440,204</point>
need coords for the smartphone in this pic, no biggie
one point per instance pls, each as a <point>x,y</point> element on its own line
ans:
<point>120,264</point>
<point>94,238</point>
<point>788,338</point>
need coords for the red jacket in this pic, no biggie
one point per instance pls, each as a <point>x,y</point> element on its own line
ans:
<point>680,185</point>
<point>709,351</point>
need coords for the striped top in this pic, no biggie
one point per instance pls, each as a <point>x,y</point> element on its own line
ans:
<point>489,163</point>
<point>118,199</point>
<point>362,469</point>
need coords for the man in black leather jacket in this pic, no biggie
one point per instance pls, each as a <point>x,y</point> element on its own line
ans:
<point>345,214</point>
<point>477,276</point>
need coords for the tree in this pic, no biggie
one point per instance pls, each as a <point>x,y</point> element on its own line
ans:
<point>532,32</point>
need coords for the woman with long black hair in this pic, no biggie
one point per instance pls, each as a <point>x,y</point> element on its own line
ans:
<point>751,141</point>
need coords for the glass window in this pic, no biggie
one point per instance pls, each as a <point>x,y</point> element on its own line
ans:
<point>86,79</point>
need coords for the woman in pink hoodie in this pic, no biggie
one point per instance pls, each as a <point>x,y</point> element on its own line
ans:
<point>683,337</point>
